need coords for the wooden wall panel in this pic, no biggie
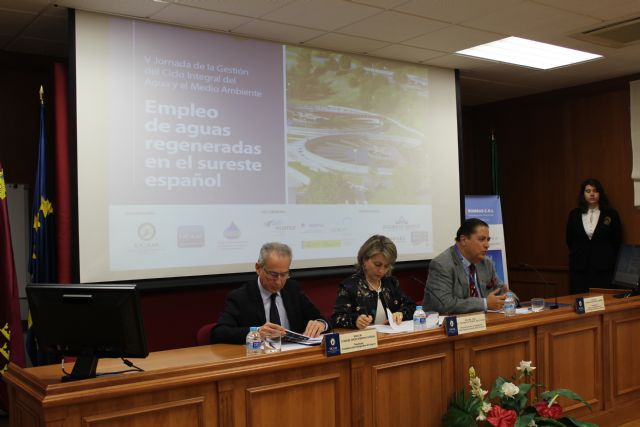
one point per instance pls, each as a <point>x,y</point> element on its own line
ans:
<point>548,144</point>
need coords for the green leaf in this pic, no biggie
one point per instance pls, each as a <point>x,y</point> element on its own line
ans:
<point>524,388</point>
<point>462,410</point>
<point>496,389</point>
<point>524,420</point>
<point>458,418</point>
<point>578,423</point>
<point>564,392</point>
<point>542,421</point>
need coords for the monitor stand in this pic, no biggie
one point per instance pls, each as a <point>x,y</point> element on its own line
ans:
<point>85,367</point>
<point>632,293</point>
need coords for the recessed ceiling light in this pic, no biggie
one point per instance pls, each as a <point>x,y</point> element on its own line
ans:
<point>528,53</point>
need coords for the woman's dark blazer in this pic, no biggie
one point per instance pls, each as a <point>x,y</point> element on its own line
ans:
<point>599,252</point>
<point>355,298</point>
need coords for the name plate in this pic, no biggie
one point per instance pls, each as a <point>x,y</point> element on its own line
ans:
<point>357,341</point>
<point>589,305</point>
<point>331,344</point>
<point>458,325</point>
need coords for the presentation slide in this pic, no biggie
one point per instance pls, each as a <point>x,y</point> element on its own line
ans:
<point>195,148</point>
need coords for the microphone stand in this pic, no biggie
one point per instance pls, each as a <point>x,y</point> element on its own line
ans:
<point>555,291</point>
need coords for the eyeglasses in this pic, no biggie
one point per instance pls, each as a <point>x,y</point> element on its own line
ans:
<point>275,275</point>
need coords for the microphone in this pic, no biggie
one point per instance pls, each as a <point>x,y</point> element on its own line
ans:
<point>555,290</point>
<point>424,301</point>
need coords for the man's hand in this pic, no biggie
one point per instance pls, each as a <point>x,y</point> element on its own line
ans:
<point>271,330</point>
<point>495,301</point>
<point>314,328</point>
<point>363,321</point>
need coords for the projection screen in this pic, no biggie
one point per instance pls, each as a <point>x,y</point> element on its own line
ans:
<point>194,148</point>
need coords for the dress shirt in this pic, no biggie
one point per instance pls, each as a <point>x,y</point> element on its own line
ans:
<point>266,300</point>
<point>590,221</point>
<point>466,265</point>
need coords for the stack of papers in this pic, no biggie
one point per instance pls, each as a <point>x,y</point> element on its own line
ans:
<point>433,321</point>
<point>294,337</point>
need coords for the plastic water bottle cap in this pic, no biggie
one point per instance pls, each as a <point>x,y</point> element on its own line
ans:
<point>253,328</point>
<point>418,307</point>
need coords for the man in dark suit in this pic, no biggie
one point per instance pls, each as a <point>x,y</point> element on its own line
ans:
<point>462,279</point>
<point>271,301</point>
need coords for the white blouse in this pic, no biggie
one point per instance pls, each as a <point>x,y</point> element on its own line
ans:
<point>590,220</point>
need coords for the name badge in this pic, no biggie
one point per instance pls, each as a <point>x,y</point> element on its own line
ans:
<point>459,325</point>
<point>331,344</point>
<point>589,305</point>
<point>358,341</point>
<point>451,326</point>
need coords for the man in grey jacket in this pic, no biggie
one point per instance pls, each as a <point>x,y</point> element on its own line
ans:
<point>462,279</point>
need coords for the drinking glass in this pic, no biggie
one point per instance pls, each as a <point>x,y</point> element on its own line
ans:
<point>537,304</point>
<point>272,344</point>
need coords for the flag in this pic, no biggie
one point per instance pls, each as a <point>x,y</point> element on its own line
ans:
<point>495,175</point>
<point>41,263</point>
<point>11,341</point>
<point>42,259</point>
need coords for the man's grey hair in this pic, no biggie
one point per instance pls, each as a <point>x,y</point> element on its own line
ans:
<point>279,248</point>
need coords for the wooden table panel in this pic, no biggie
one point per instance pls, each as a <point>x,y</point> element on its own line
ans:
<point>625,357</point>
<point>575,361</point>
<point>410,388</point>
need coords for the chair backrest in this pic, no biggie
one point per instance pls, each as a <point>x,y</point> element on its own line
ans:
<point>203,337</point>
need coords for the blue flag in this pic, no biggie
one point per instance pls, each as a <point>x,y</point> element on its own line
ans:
<point>42,260</point>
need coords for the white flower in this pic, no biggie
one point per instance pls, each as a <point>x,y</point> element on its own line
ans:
<point>476,389</point>
<point>484,410</point>
<point>509,389</point>
<point>475,382</point>
<point>479,393</point>
<point>525,367</point>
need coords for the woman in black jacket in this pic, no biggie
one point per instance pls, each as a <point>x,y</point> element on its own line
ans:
<point>364,297</point>
<point>593,237</point>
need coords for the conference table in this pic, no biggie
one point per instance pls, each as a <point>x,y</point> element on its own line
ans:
<point>407,380</point>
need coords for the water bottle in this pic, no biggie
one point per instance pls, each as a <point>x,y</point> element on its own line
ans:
<point>254,342</point>
<point>509,304</point>
<point>419,319</point>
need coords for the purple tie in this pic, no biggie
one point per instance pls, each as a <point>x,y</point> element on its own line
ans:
<point>473,290</point>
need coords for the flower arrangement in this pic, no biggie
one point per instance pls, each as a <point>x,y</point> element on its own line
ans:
<point>510,408</point>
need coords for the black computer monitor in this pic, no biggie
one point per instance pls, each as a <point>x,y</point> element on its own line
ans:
<point>627,273</point>
<point>87,321</point>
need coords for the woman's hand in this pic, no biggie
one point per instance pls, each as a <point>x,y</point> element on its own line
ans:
<point>363,321</point>
<point>397,317</point>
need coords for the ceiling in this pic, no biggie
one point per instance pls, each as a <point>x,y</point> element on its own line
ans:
<point>419,31</point>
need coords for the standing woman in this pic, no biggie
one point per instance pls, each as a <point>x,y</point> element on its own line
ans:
<point>364,297</point>
<point>593,237</point>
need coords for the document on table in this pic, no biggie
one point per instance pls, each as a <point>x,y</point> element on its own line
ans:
<point>294,337</point>
<point>407,325</point>
<point>521,310</point>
